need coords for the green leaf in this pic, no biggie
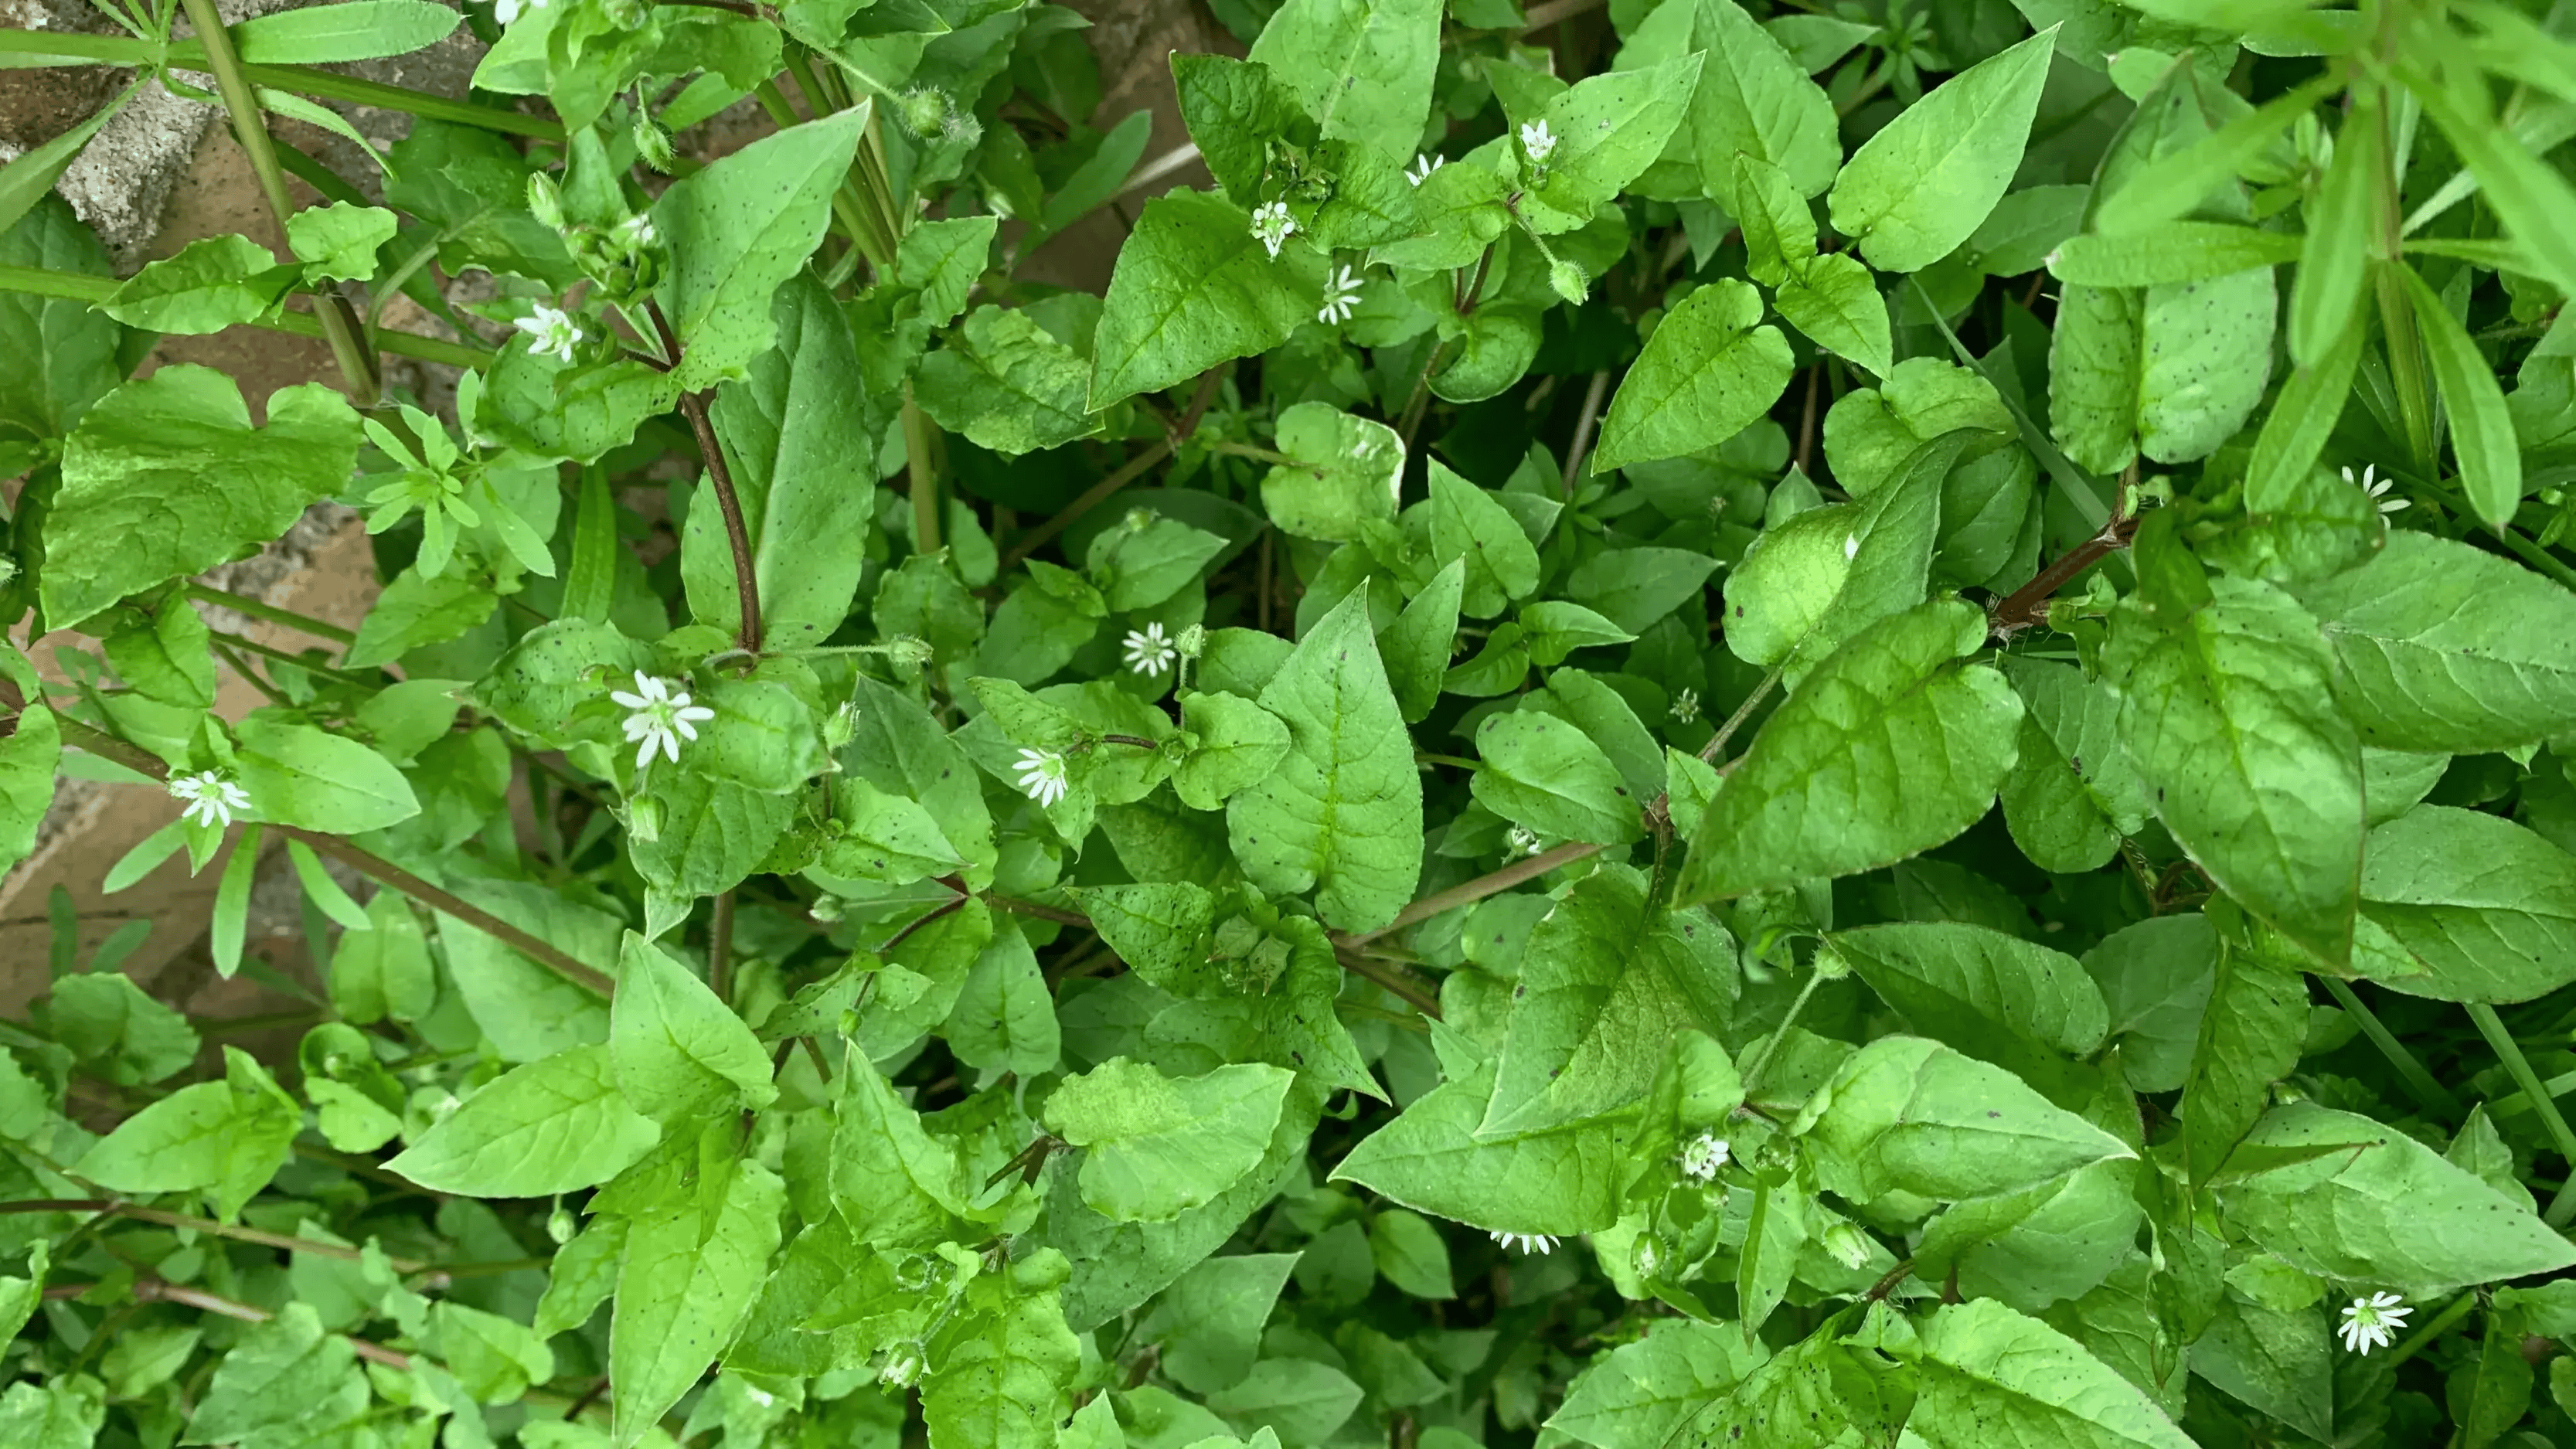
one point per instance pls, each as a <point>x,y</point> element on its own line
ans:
<point>2439,646</point>
<point>416,610</point>
<point>1156,1145</point>
<point>2278,1362</point>
<point>737,232</point>
<point>799,431</point>
<point>225,1138</point>
<point>687,1282</point>
<point>298,775</point>
<point>1910,1114</point>
<point>1835,301</point>
<point>2359,1201</point>
<point>1632,588</point>
<point>1411,1254</point>
<point>26,180</point>
<point>2250,1037</point>
<point>211,284</point>
<point>1640,1394</point>
<point>1558,1180</point>
<point>1753,100</point>
<point>1780,227</point>
<point>2459,905</point>
<point>1342,814</point>
<point>1361,68</point>
<point>2226,714</point>
<point>285,1374</point>
<point>1005,1384</point>
<point>1004,1020</point>
<point>1416,647</point>
<point>1553,629</point>
<point>2482,435</point>
<point>526,1009</point>
<point>678,1051</point>
<point>1601,977</point>
<point>1607,128</point>
<point>2175,252</point>
<point>2093,363</point>
<point>343,31</point>
<point>78,345</point>
<point>1240,743</point>
<point>495,1358</point>
<point>1708,371</point>
<point>2535,203</point>
<point>2012,1002</point>
<point>1194,288</point>
<point>1543,772</point>
<point>1466,523</point>
<point>2327,292</point>
<point>121,1033</point>
<point>1888,748</point>
<point>2071,794</point>
<point>1994,1379</point>
<point>1347,473</point>
<point>1913,192</point>
<point>1300,1401</point>
<point>1006,384</point>
<point>2303,418</point>
<point>338,242</point>
<point>547,1127</point>
<point>166,477</point>
<point>2156,977</point>
<point>1233,108</point>
<point>1209,1322</point>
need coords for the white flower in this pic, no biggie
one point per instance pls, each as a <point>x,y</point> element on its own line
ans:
<point>1703,1155</point>
<point>550,331</point>
<point>1041,775</point>
<point>1272,224</point>
<point>1537,142</point>
<point>2376,489</point>
<point>1423,166</point>
<point>1149,653</point>
<point>211,798</point>
<point>1526,1242</point>
<point>661,718</point>
<point>1685,704</point>
<point>505,11</point>
<point>1341,298</point>
<point>637,230</point>
<point>2372,1322</point>
<point>1523,840</point>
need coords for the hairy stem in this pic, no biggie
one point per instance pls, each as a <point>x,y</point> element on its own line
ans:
<point>367,863</point>
<point>746,582</point>
<point>244,604</point>
<point>1476,890</point>
<point>1717,743</point>
<point>924,477</point>
<point>339,324</point>
<point>82,287</point>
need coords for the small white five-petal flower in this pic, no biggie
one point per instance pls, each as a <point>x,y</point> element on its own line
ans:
<point>2377,487</point>
<point>1423,165</point>
<point>551,331</point>
<point>1149,651</point>
<point>1685,706</point>
<point>1523,840</point>
<point>660,717</point>
<point>637,230</point>
<point>1341,297</point>
<point>1703,1155</point>
<point>211,798</point>
<point>2373,1322</point>
<point>1272,225</point>
<point>1041,775</point>
<point>1526,1242</point>
<point>1536,140</point>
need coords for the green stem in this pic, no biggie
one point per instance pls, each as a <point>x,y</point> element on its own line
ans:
<point>299,661</point>
<point>2563,1206</point>
<point>2430,1093</point>
<point>1263,455</point>
<point>2452,1312</point>
<point>358,367</point>
<point>1771,1043</point>
<point>82,287</point>
<point>207,1226</point>
<point>925,477</point>
<point>2081,488</point>
<point>1725,732</point>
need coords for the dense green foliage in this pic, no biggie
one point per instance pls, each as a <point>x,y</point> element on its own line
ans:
<point>1848,727</point>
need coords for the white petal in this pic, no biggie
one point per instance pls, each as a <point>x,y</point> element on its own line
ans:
<point>644,756</point>
<point>694,712</point>
<point>623,700</point>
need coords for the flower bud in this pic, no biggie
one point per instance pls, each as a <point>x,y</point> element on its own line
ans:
<point>653,144</point>
<point>906,652</point>
<point>924,109</point>
<point>1830,965</point>
<point>560,1224</point>
<point>1192,641</point>
<point>1568,281</point>
<point>545,201</point>
<point>1849,1245</point>
<point>903,1366</point>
